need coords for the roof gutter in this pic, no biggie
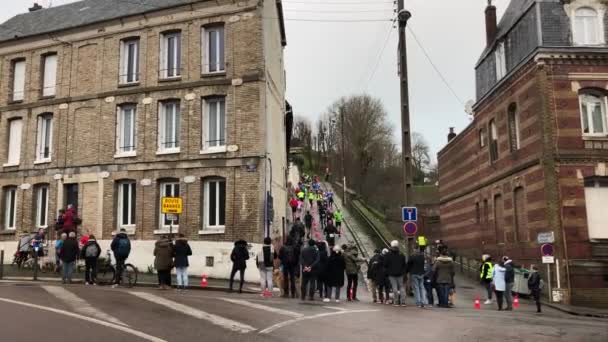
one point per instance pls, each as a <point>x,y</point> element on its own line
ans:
<point>282,23</point>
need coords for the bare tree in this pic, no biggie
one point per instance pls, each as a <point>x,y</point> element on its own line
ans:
<point>421,157</point>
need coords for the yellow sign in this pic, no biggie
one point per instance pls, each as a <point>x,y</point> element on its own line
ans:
<point>171,205</point>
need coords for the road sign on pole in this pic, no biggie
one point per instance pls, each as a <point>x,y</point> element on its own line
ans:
<point>545,237</point>
<point>171,205</point>
<point>409,214</point>
<point>410,228</point>
<point>546,250</point>
<point>548,259</point>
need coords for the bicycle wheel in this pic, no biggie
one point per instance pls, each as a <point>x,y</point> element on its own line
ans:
<point>129,276</point>
<point>105,275</point>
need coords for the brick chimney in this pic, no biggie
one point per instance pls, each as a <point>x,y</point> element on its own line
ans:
<point>35,8</point>
<point>452,135</point>
<point>491,23</point>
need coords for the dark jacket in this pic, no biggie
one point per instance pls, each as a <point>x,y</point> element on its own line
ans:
<point>240,255</point>
<point>374,266</point>
<point>309,257</point>
<point>83,252</point>
<point>509,272</point>
<point>69,250</point>
<point>415,265</point>
<point>308,220</point>
<point>330,229</point>
<point>163,255</point>
<point>114,245</point>
<point>336,267</point>
<point>297,231</point>
<point>394,263</point>
<point>323,260</point>
<point>181,252</point>
<point>285,252</point>
<point>534,281</point>
<point>444,270</point>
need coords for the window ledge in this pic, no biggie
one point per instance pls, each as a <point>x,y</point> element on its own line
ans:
<point>42,161</point>
<point>12,102</point>
<point>125,155</point>
<point>214,150</point>
<point>166,152</point>
<point>166,230</point>
<point>170,79</point>
<point>130,231</point>
<point>213,74</point>
<point>10,164</point>
<point>212,231</point>
<point>47,97</point>
<point>595,137</point>
<point>8,231</point>
<point>127,85</point>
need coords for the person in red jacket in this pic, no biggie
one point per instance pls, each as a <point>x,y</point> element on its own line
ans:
<point>68,220</point>
<point>293,203</point>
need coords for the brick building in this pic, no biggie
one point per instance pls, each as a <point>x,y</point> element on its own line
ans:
<point>534,159</point>
<point>111,105</point>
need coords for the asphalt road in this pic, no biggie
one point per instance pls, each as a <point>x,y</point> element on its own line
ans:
<point>50,312</point>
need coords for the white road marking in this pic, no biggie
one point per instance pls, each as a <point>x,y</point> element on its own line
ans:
<point>80,305</point>
<point>187,310</point>
<point>88,319</point>
<point>262,307</point>
<point>335,308</point>
<point>305,318</point>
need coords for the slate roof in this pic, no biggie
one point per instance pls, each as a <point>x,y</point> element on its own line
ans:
<point>516,9</point>
<point>78,14</point>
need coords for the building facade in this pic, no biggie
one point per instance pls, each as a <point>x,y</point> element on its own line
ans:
<point>534,159</point>
<point>110,106</point>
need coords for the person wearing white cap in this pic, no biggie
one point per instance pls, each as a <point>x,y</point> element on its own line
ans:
<point>395,266</point>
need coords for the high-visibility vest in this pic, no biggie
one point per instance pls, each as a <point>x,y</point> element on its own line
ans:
<point>490,269</point>
<point>338,216</point>
<point>311,196</point>
<point>301,195</point>
<point>320,197</point>
<point>421,241</point>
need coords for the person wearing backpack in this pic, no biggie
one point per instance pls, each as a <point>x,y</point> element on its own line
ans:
<point>239,257</point>
<point>265,262</point>
<point>121,247</point>
<point>90,253</point>
<point>180,253</point>
<point>289,263</point>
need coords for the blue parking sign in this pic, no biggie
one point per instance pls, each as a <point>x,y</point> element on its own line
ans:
<point>409,214</point>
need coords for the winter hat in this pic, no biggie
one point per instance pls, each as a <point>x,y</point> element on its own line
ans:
<point>337,249</point>
<point>385,251</point>
<point>394,243</point>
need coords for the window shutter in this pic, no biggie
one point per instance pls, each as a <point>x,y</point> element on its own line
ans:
<point>50,75</point>
<point>18,80</point>
<point>14,146</point>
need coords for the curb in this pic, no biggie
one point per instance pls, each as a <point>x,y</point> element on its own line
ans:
<point>139,284</point>
<point>574,313</point>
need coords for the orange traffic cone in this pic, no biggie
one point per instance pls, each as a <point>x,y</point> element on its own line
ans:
<point>267,294</point>
<point>204,281</point>
<point>477,305</point>
<point>516,301</point>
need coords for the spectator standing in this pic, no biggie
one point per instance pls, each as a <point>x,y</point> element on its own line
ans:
<point>309,258</point>
<point>289,264</point>
<point>336,266</point>
<point>509,281</point>
<point>353,267</point>
<point>321,271</point>
<point>239,257</point>
<point>265,262</point>
<point>90,253</point>
<point>416,269</point>
<point>375,274</point>
<point>535,284</point>
<point>121,247</point>
<point>444,275</point>
<point>69,220</point>
<point>58,245</point>
<point>498,278</point>
<point>68,255</point>
<point>181,252</point>
<point>395,266</point>
<point>163,261</point>
<point>485,276</point>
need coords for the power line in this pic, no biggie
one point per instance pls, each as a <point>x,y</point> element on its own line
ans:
<point>334,20</point>
<point>379,56</point>
<point>288,10</point>
<point>338,2</point>
<point>428,58</point>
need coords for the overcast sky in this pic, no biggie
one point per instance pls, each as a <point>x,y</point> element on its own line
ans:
<point>327,60</point>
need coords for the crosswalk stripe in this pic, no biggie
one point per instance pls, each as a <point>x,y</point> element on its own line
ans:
<point>262,307</point>
<point>196,313</point>
<point>305,318</point>
<point>80,305</point>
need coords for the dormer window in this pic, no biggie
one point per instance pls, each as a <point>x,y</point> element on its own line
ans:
<point>586,27</point>
<point>501,61</point>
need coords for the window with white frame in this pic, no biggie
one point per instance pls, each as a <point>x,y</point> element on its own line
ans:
<point>44,138</point>
<point>18,80</point>
<point>214,124</point>
<point>49,80</point>
<point>513,118</point>
<point>168,189</point>
<point>9,207</point>
<point>42,206</point>
<point>501,62</point>
<point>483,139</point>
<point>213,42</point>
<point>126,204</point>
<point>126,139</point>
<point>593,114</point>
<point>168,127</point>
<point>170,54</point>
<point>129,61</point>
<point>493,141</point>
<point>596,197</point>
<point>214,204</point>
<point>587,27</point>
<point>14,142</point>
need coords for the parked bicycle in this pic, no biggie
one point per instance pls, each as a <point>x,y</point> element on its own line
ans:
<point>106,274</point>
<point>28,261</point>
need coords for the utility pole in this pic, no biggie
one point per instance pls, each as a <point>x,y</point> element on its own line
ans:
<point>343,173</point>
<point>406,139</point>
